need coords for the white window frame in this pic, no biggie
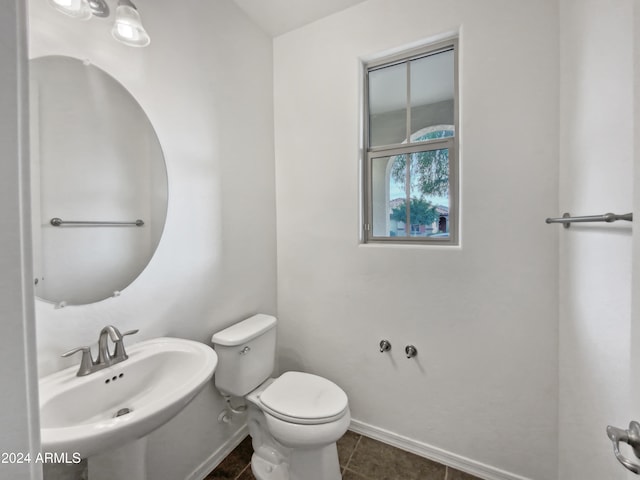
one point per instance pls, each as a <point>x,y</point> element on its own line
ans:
<point>450,143</point>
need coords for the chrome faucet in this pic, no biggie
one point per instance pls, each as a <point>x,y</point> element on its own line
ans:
<point>105,358</point>
<point>119,354</point>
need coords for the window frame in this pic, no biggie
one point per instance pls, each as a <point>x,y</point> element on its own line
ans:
<point>450,143</point>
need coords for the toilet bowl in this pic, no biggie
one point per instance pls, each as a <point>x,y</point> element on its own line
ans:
<point>295,419</point>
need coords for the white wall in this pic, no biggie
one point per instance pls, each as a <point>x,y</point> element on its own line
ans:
<point>18,415</point>
<point>634,407</point>
<point>596,176</point>
<point>483,316</point>
<point>205,82</point>
<point>635,289</point>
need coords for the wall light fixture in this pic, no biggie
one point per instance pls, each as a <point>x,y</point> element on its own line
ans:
<point>127,27</point>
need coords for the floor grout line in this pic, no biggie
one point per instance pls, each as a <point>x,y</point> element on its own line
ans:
<point>243,470</point>
<point>353,471</point>
<point>352,452</point>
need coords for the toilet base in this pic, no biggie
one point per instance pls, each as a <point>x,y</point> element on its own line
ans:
<point>264,470</point>
<point>273,461</point>
<point>315,464</point>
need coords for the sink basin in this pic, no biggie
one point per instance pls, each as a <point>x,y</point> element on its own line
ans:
<point>124,402</point>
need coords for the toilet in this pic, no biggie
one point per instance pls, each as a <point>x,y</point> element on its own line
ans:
<point>295,419</point>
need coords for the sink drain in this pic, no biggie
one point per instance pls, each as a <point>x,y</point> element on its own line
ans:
<point>122,411</point>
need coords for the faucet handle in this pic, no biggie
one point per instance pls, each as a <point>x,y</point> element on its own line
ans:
<point>86,364</point>
<point>119,352</point>
<point>84,351</point>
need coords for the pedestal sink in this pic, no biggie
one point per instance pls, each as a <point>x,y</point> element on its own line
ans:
<point>121,404</point>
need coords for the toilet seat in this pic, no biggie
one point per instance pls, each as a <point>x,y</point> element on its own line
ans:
<point>304,398</point>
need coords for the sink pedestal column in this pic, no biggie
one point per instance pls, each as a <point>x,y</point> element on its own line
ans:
<point>128,462</point>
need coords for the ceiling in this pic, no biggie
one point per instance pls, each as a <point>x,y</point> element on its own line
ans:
<point>281,16</point>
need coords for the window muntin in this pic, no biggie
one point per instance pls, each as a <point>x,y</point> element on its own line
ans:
<point>417,94</point>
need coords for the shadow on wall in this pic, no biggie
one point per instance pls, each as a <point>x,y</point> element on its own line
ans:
<point>289,360</point>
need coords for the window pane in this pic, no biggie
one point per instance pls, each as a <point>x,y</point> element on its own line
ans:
<point>388,105</point>
<point>427,212</point>
<point>388,180</point>
<point>429,205</point>
<point>432,91</point>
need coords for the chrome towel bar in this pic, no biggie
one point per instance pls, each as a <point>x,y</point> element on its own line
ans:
<point>58,222</point>
<point>567,219</point>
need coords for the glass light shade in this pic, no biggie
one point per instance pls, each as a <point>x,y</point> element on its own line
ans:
<point>78,9</point>
<point>128,28</point>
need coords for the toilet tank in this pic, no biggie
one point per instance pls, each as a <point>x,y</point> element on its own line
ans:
<point>246,354</point>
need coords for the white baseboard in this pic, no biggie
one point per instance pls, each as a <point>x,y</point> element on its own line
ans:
<point>220,454</point>
<point>433,453</point>
<point>436,454</point>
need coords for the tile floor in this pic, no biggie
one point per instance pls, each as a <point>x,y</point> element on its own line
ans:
<point>361,458</point>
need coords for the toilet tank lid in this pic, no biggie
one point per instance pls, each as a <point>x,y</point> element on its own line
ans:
<point>244,331</point>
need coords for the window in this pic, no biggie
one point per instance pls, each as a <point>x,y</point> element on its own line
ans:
<point>411,164</point>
